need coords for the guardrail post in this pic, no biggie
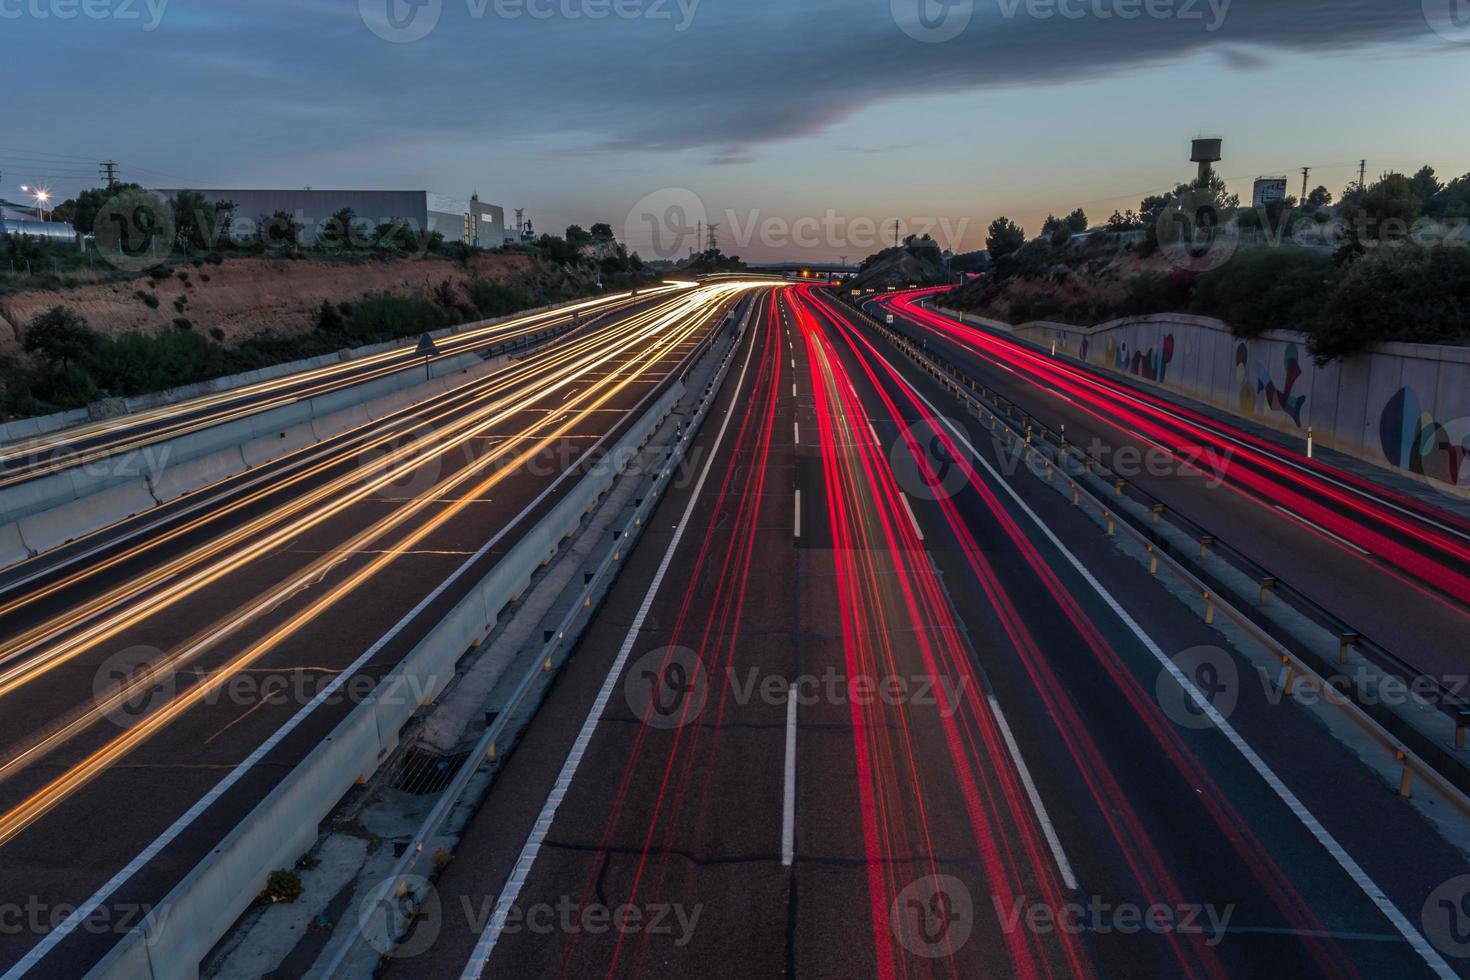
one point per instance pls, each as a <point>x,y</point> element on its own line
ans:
<point>490,753</point>
<point>1209,608</point>
<point>1153,561</point>
<point>1267,584</point>
<point>1204,545</point>
<point>1158,514</point>
<point>1406,780</point>
<point>1112,530</point>
<point>1076,496</point>
<point>1345,642</point>
<point>1290,675</point>
<point>1462,722</point>
<point>1118,488</point>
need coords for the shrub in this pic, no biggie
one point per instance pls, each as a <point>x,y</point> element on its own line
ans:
<point>149,300</point>
<point>282,886</point>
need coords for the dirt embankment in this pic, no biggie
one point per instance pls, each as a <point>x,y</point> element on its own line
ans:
<point>245,296</point>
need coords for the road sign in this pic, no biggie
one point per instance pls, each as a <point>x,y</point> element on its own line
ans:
<point>427,347</point>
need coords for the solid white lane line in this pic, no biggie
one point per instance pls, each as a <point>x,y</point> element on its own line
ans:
<point>798,514</point>
<point>788,799</point>
<point>1042,817</point>
<point>912,519</point>
<point>475,967</point>
<point>1322,530</point>
<point>1283,792</point>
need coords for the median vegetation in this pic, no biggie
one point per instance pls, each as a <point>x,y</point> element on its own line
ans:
<point>1390,262</point>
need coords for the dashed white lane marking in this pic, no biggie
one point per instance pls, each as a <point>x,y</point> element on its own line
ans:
<point>1322,530</point>
<point>1042,817</point>
<point>797,533</point>
<point>475,968</point>
<point>1283,792</point>
<point>796,431</point>
<point>788,799</point>
<point>912,519</point>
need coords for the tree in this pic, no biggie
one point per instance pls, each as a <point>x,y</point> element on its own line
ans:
<point>281,230</point>
<point>577,236</point>
<point>1123,220</point>
<point>1320,197</point>
<point>1425,184</point>
<point>337,231</point>
<point>62,338</point>
<point>1077,221</point>
<point>82,210</point>
<point>1004,238</point>
<point>197,221</point>
<point>1387,209</point>
<point>602,231</point>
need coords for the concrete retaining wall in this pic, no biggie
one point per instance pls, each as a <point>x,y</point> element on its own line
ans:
<point>1406,406</point>
<point>176,936</point>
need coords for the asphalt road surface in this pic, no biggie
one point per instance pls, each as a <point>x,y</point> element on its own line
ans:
<point>868,703</point>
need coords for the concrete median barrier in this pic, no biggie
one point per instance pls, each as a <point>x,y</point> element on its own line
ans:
<point>55,527</point>
<point>188,477</point>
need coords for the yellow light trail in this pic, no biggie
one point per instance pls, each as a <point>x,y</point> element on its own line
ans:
<point>16,820</point>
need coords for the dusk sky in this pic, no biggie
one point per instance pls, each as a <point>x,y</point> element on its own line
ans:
<point>752,113</point>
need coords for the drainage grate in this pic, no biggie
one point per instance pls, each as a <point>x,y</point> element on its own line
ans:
<point>423,773</point>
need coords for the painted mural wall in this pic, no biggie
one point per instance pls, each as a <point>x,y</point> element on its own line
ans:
<point>1404,405</point>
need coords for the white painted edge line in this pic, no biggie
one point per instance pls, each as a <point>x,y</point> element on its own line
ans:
<point>788,799</point>
<point>912,519</point>
<point>1042,817</point>
<point>797,533</point>
<point>485,945</point>
<point>1283,792</point>
<point>85,910</point>
<point>1322,530</point>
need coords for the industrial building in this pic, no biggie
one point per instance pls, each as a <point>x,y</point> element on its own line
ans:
<point>476,224</point>
<point>23,219</point>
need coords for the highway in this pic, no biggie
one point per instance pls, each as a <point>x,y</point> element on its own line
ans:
<point>161,677</point>
<point>1390,565</point>
<point>857,708</point>
<point>27,459</point>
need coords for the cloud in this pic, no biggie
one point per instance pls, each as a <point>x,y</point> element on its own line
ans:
<point>742,73</point>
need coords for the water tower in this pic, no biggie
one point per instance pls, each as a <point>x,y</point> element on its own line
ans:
<point>1205,153</point>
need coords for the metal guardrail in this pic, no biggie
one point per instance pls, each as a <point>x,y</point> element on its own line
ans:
<point>1451,772</point>
<point>394,895</point>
